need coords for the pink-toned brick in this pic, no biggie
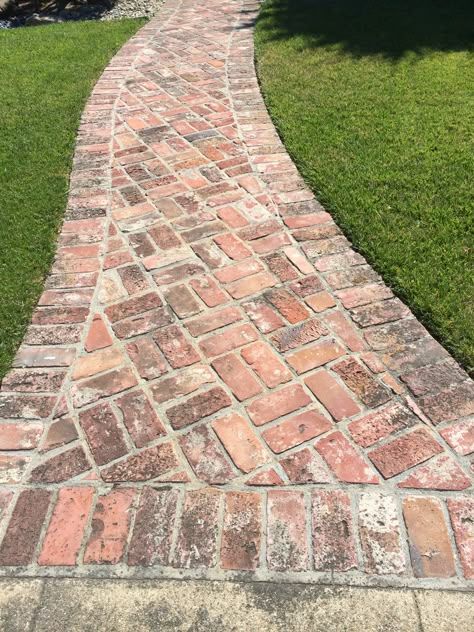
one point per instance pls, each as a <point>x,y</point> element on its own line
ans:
<point>277,404</point>
<point>176,348</point>
<point>296,430</point>
<point>314,356</point>
<point>110,527</point>
<point>250,285</point>
<point>461,511</point>
<point>430,549</point>
<point>98,336</point>
<point>242,531</point>
<point>65,533</point>
<point>267,366</point>
<point>287,547</point>
<point>344,460</point>
<point>208,291</point>
<point>332,395</point>
<point>332,531</point>
<point>238,378</point>
<point>241,442</point>
<point>230,339</point>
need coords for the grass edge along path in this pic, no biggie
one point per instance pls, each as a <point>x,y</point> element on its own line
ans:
<point>46,74</point>
<point>374,104</point>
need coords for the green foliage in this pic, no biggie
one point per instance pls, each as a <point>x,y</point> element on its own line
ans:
<point>374,101</point>
<point>46,74</point>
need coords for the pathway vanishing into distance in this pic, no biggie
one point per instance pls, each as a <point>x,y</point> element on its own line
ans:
<point>214,384</point>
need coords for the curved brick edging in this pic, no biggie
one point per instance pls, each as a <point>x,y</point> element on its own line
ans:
<point>245,393</point>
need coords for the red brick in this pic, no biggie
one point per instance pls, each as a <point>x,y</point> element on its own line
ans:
<point>216,320</point>
<point>31,381</point>
<point>111,383</point>
<point>362,383</point>
<point>182,301</point>
<point>357,296</point>
<point>176,348</point>
<point>255,231</point>
<point>413,355</point>
<point>299,260</point>
<point>267,366</point>
<point>281,267</point>
<point>208,291</point>
<point>379,530</point>
<point>238,271</point>
<point>264,317</point>
<point>146,358</point>
<point>321,302</point>
<point>140,418</point>
<point>165,237</point>
<point>242,531</point>
<point>94,363</point>
<point>461,511</point>
<point>288,306</point>
<point>460,436</point>
<point>232,217</point>
<point>25,526</point>
<point>98,336</point>
<point>373,362</point>
<point>277,404</point>
<point>177,273</point>
<point>344,460</point>
<point>442,473</point>
<point>293,337</point>
<point>346,332</point>
<point>241,442</point>
<point>307,220</point>
<point>449,405</point>
<point>332,531</point>
<point>272,242</point>
<point>65,533</point>
<point>315,356</point>
<point>331,394</point>
<point>59,315</point>
<point>182,384</point>
<point>265,478</point>
<point>287,548</point>
<point>45,356</point>
<point>110,527</point>
<point>154,522</point>
<point>307,286</point>
<point>337,262</point>
<point>26,406</point>
<point>296,430</point>
<point>196,545</point>
<point>316,232</point>
<point>369,429</point>
<point>61,467</point>
<point>104,433</point>
<point>5,499</point>
<point>20,435</point>
<point>238,378</point>
<point>206,456</point>
<point>143,466</point>
<point>60,432</point>
<point>430,549</point>
<point>250,285</point>
<point>304,467</point>
<point>232,246</point>
<point>401,454</point>
<point>133,279</point>
<point>198,407</point>
<point>133,307</point>
<point>230,339</point>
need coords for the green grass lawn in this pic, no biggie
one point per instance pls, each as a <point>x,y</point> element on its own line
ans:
<point>46,74</point>
<point>375,102</point>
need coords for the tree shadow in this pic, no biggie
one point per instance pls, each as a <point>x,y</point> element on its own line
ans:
<point>388,28</point>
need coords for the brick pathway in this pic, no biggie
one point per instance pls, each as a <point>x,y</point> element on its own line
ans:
<point>214,381</point>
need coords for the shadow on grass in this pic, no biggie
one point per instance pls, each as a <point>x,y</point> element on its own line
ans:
<point>390,28</point>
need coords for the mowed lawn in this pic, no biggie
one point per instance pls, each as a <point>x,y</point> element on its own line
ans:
<point>374,99</point>
<point>46,74</point>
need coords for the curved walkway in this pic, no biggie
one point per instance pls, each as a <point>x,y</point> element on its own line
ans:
<point>214,381</point>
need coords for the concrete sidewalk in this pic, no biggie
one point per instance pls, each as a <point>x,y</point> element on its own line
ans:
<point>198,606</point>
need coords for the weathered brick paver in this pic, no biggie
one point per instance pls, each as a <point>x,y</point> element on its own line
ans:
<point>213,381</point>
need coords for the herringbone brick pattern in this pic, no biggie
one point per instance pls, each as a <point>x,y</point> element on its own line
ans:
<point>213,379</point>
